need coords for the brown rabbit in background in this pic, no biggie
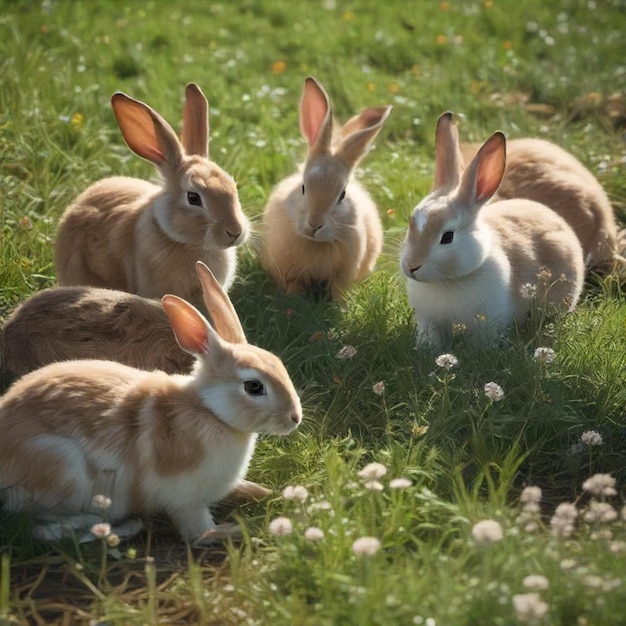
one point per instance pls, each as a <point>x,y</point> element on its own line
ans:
<point>540,170</point>
<point>321,228</point>
<point>149,441</point>
<point>144,238</point>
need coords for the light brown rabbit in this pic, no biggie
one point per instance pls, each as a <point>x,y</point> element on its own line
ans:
<point>540,170</point>
<point>149,441</point>
<point>130,234</point>
<point>321,228</point>
<point>472,262</point>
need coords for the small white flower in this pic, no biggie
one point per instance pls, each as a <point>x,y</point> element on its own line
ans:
<point>544,355</point>
<point>281,526</point>
<point>322,505</point>
<point>600,512</point>
<point>591,438</point>
<point>600,485</point>
<point>529,607</point>
<point>314,534</point>
<point>101,502</point>
<point>487,531</point>
<point>494,392</point>
<point>347,352</point>
<point>400,483</point>
<point>379,388</point>
<point>530,495</point>
<point>113,540</point>
<point>528,291</point>
<point>447,361</point>
<point>373,485</point>
<point>366,546</point>
<point>101,531</point>
<point>373,471</point>
<point>298,492</point>
<point>536,582</point>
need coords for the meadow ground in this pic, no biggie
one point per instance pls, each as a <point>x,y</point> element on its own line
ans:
<point>397,543</point>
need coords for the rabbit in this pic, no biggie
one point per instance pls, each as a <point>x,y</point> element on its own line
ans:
<point>129,234</point>
<point>542,171</point>
<point>322,230</point>
<point>469,262</point>
<point>78,322</point>
<point>149,441</point>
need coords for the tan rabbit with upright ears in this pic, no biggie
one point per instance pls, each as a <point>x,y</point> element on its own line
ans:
<point>149,441</point>
<point>321,228</point>
<point>144,238</point>
<point>469,261</point>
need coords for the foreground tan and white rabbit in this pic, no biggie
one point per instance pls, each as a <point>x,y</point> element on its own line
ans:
<point>321,227</point>
<point>149,441</point>
<point>469,262</point>
<point>540,170</point>
<point>144,238</point>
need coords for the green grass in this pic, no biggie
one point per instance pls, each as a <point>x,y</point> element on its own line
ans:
<point>467,457</point>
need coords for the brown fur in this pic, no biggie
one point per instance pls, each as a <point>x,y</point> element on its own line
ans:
<point>315,240</point>
<point>136,236</point>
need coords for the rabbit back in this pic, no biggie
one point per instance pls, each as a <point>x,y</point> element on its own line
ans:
<point>71,323</point>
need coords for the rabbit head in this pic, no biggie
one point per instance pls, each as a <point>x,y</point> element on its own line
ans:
<point>199,199</point>
<point>245,386</point>
<point>445,239</point>
<point>330,161</point>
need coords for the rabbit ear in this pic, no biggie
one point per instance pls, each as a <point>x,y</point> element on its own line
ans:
<point>195,133</point>
<point>484,174</point>
<point>316,119</point>
<point>359,132</point>
<point>448,163</point>
<point>193,333</point>
<point>147,134</point>
<point>220,308</point>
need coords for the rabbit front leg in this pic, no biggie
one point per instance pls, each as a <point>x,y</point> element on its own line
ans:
<point>196,525</point>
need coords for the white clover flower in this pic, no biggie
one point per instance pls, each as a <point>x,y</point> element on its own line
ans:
<point>562,522</point>
<point>600,512</point>
<point>322,505</point>
<point>347,352</point>
<point>101,531</point>
<point>447,361</point>
<point>373,471</point>
<point>373,485</point>
<point>400,483</point>
<point>101,502</point>
<point>528,291</point>
<point>529,607</point>
<point>494,392</point>
<point>600,485</point>
<point>298,492</point>
<point>487,531</point>
<point>544,355</point>
<point>281,526</point>
<point>113,540</point>
<point>314,534</point>
<point>379,388</point>
<point>591,438</point>
<point>530,495</point>
<point>536,582</point>
<point>366,546</point>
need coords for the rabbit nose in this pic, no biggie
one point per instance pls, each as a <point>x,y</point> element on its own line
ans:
<point>414,269</point>
<point>315,228</point>
<point>234,236</point>
<point>296,418</point>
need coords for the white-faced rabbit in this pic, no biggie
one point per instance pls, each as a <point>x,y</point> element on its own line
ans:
<point>540,170</point>
<point>321,228</point>
<point>470,263</point>
<point>144,238</point>
<point>149,441</point>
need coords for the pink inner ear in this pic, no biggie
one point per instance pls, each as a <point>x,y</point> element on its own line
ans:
<point>313,110</point>
<point>188,325</point>
<point>491,167</point>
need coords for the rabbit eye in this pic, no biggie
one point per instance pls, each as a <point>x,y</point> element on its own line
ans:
<point>254,387</point>
<point>302,189</point>
<point>447,237</point>
<point>342,196</point>
<point>194,198</point>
